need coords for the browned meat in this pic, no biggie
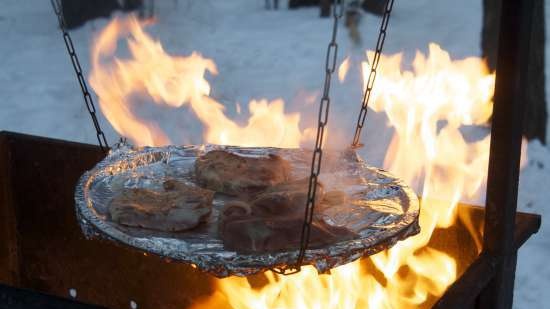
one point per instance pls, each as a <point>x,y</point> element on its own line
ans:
<point>249,235</point>
<point>332,198</point>
<point>285,199</point>
<point>232,174</point>
<point>273,221</point>
<point>179,207</point>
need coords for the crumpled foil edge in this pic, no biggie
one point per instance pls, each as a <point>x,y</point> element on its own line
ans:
<point>223,265</point>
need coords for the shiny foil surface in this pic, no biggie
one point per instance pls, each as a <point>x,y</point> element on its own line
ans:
<point>380,208</point>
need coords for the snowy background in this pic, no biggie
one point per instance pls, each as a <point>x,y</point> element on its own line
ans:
<point>259,53</point>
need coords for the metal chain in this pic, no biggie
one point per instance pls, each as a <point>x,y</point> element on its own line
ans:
<point>372,74</point>
<point>330,67</point>
<point>56,5</point>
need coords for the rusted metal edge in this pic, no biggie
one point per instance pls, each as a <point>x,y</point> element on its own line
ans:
<point>464,291</point>
<point>9,248</point>
<point>21,137</point>
<point>16,298</point>
<point>526,225</point>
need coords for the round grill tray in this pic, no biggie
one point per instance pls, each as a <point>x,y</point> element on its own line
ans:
<point>380,209</point>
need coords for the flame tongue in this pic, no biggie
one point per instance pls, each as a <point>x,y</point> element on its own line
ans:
<point>427,108</point>
<point>174,81</point>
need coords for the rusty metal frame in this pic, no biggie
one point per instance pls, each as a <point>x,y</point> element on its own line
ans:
<point>505,152</point>
<point>489,282</point>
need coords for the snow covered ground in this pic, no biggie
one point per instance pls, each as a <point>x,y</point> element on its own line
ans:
<point>259,54</point>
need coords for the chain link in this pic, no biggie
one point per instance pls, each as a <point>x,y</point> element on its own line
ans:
<point>330,68</point>
<point>324,106</point>
<point>372,74</point>
<point>56,5</point>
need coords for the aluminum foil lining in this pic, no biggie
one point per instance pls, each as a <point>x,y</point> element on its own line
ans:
<point>381,209</point>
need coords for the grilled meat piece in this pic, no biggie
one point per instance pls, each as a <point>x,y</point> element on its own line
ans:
<point>333,198</point>
<point>179,207</point>
<point>232,174</point>
<point>273,220</point>
<point>285,199</point>
<point>249,235</point>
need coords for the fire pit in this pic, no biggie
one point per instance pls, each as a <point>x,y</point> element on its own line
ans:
<point>43,249</point>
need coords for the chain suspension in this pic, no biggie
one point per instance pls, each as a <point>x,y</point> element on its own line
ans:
<point>330,67</point>
<point>56,5</point>
<point>372,74</point>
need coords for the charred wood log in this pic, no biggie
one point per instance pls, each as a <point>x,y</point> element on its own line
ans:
<point>535,113</point>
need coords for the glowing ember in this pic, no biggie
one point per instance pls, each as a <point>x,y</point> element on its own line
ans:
<point>427,108</point>
<point>175,81</point>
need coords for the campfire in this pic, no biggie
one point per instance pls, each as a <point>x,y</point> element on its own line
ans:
<point>439,162</point>
<point>427,107</point>
<point>461,258</point>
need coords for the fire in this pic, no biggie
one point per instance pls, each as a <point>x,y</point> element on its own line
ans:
<point>427,107</point>
<point>343,69</point>
<point>173,81</point>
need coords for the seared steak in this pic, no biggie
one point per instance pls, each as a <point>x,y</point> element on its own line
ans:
<point>233,174</point>
<point>252,234</point>
<point>179,207</point>
<point>273,220</point>
<point>285,199</point>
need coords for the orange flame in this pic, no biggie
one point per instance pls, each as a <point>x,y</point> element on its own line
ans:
<point>174,81</point>
<point>343,69</point>
<point>427,108</point>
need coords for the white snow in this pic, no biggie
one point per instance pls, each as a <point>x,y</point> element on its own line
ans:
<point>259,54</point>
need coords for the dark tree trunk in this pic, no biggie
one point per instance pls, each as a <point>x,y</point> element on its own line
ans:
<point>269,4</point>
<point>76,13</point>
<point>292,4</point>
<point>374,6</point>
<point>324,5</point>
<point>325,8</point>
<point>536,114</point>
